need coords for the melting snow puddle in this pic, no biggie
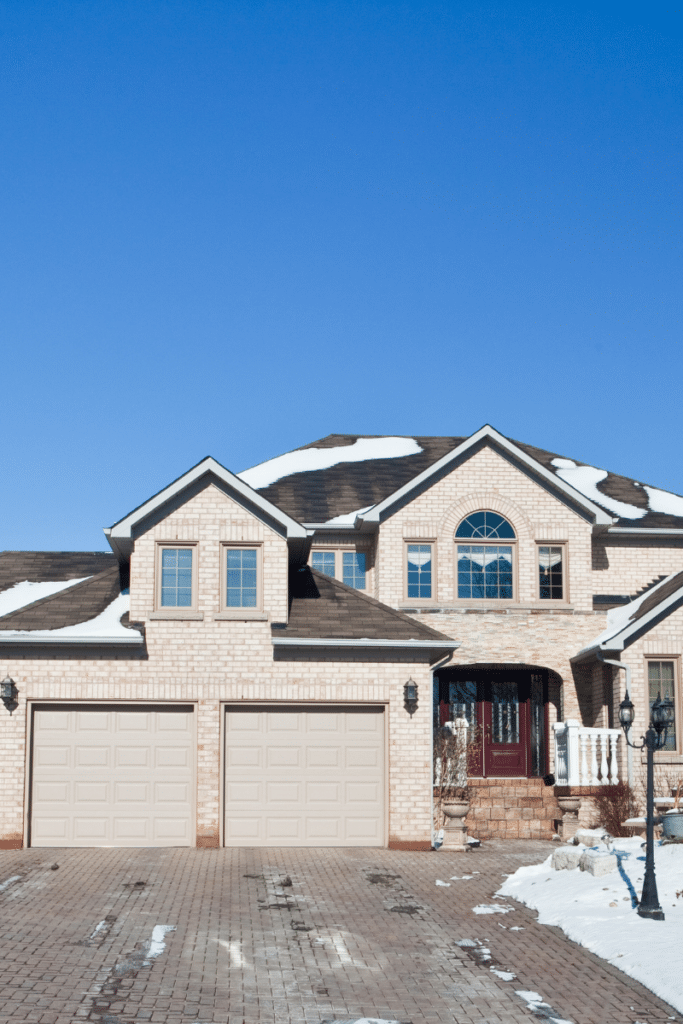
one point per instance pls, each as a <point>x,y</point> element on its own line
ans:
<point>540,1008</point>
<point>481,954</point>
<point>6,884</point>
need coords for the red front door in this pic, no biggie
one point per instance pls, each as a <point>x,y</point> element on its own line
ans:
<point>505,729</point>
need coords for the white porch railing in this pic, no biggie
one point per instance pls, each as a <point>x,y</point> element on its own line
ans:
<point>583,756</point>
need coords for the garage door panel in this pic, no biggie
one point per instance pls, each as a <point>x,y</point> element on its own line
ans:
<point>131,784</point>
<point>311,775</point>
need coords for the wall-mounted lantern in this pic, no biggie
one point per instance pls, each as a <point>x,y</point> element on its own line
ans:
<point>9,694</point>
<point>410,696</point>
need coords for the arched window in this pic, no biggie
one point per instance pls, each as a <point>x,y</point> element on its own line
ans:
<point>485,570</point>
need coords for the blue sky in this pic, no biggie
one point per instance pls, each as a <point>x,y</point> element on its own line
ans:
<point>232,228</point>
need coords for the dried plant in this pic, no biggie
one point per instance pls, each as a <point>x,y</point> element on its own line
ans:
<point>613,806</point>
<point>455,744</point>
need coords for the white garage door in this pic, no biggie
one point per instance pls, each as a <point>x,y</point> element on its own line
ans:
<point>304,776</point>
<point>113,775</point>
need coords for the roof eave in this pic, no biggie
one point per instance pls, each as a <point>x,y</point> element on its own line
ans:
<point>420,645</point>
<point>600,517</point>
<point>121,532</point>
<point>27,640</point>
<point>618,642</point>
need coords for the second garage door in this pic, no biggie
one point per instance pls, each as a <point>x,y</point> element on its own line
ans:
<point>304,776</point>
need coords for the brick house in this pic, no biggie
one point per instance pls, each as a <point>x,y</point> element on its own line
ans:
<point>239,670</point>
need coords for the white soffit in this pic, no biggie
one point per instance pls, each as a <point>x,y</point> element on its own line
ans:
<point>123,529</point>
<point>599,515</point>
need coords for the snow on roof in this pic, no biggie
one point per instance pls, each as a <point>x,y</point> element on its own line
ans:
<point>664,501</point>
<point>348,519</point>
<point>307,460</point>
<point>26,592</point>
<point>585,478</point>
<point>105,626</point>
<point>619,618</point>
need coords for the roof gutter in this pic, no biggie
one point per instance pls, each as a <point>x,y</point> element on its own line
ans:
<point>27,640</point>
<point>643,531</point>
<point>419,645</point>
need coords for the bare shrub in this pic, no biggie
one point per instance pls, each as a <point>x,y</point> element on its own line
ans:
<point>613,805</point>
<point>455,744</point>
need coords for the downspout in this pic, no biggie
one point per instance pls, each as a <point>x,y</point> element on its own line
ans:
<point>629,751</point>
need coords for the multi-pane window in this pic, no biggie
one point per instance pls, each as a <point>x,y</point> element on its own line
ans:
<point>419,585</point>
<point>176,577</point>
<point>323,561</point>
<point>347,566</point>
<point>661,681</point>
<point>353,569</point>
<point>241,578</point>
<point>485,570</point>
<point>550,573</point>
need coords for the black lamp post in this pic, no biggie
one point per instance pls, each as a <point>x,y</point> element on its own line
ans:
<point>661,717</point>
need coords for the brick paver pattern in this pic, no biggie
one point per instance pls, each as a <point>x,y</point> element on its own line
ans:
<point>266,936</point>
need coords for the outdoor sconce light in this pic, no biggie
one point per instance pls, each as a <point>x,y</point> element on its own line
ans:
<point>410,696</point>
<point>9,694</point>
<point>661,718</point>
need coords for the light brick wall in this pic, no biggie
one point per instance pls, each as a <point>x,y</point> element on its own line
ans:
<point>624,566</point>
<point>486,481</point>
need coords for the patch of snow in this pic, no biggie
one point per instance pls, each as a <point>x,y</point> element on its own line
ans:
<point>585,478</point>
<point>157,943</point>
<point>307,460</point>
<point>98,929</point>
<point>6,884</point>
<point>619,618</point>
<point>493,908</point>
<point>606,922</point>
<point>26,592</point>
<point>349,518</point>
<point>105,625</point>
<point>664,501</point>
<point>446,885</point>
<point>505,975</point>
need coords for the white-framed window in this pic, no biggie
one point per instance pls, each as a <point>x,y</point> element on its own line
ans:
<point>662,682</point>
<point>349,566</point>
<point>176,578</point>
<point>485,563</point>
<point>551,572</point>
<point>241,578</point>
<point>419,571</point>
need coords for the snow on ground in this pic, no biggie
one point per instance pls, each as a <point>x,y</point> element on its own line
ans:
<point>306,460</point>
<point>664,501</point>
<point>619,618</point>
<point>584,480</point>
<point>25,593</point>
<point>349,518</point>
<point>106,625</point>
<point>600,913</point>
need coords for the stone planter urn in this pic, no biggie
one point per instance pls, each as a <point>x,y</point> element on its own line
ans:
<point>569,805</point>
<point>454,829</point>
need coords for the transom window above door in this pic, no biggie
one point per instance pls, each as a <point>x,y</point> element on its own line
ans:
<point>485,571</point>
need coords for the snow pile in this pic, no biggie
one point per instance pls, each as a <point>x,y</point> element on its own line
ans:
<point>106,625</point>
<point>349,518</point>
<point>600,913</point>
<point>306,460</point>
<point>26,592</point>
<point>664,501</point>
<point>585,478</point>
<point>619,618</point>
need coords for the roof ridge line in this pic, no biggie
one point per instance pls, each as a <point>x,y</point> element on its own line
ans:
<point>66,590</point>
<point>401,616</point>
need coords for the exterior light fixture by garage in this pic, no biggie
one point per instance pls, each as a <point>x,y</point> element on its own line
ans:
<point>661,717</point>
<point>410,696</point>
<point>9,694</point>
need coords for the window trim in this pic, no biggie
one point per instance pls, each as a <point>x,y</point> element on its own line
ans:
<point>339,551</point>
<point>241,613</point>
<point>419,602</point>
<point>553,602</point>
<point>170,612</point>
<point>664,756</point>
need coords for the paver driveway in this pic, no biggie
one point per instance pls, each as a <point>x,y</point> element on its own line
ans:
<point>290,936</point>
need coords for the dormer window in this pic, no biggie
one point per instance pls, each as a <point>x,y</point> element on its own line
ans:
<point>347,566</point>
<point>485,568</point>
